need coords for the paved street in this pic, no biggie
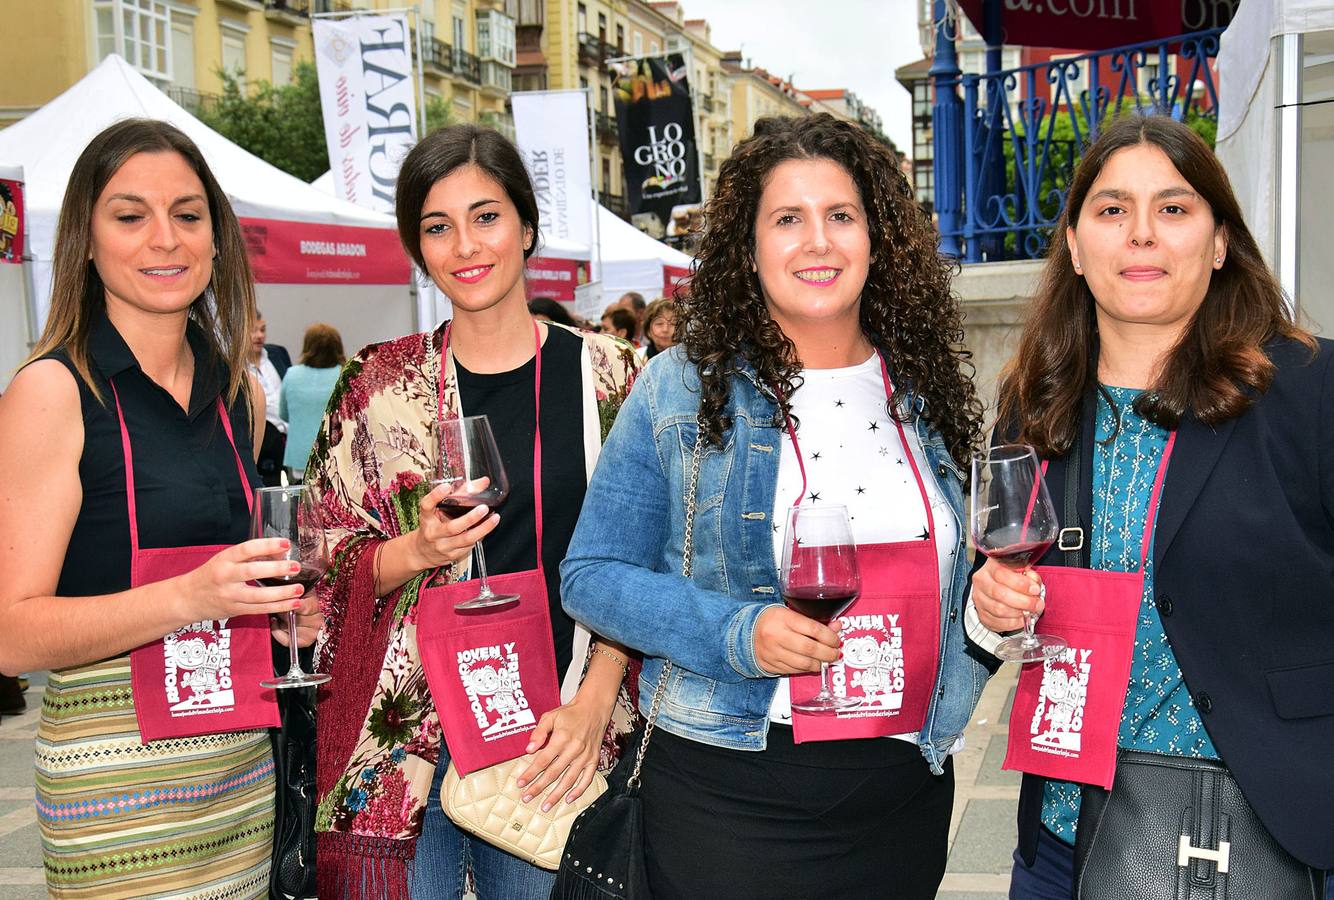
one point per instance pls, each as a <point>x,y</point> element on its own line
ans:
<point>981,834</point>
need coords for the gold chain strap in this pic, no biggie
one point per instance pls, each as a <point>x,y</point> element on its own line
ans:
<point>688,550</point>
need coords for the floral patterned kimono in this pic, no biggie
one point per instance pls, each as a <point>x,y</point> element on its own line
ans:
<point>379,734</point>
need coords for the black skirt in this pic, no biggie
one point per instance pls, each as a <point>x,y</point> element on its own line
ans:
<point>815,821</point>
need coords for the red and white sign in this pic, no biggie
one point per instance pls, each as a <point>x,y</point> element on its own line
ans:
<point>283,252</point>
<point>549,276</point>
<point>11,221</point>
<point>1098,24</point>
<point>674,277</point>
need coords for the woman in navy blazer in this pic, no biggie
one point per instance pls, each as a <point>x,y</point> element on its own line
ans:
<point>1156,312</point>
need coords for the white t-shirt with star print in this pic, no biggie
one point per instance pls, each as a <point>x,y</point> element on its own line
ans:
<point>854,457</point>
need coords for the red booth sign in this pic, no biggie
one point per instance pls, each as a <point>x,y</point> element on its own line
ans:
<point>283,252</point>
<point>673,277</point>
<point>11,221</point>
<point>1098,24</point>
<point>549,276</point>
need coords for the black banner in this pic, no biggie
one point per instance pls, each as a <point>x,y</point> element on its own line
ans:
<point>657,127</point>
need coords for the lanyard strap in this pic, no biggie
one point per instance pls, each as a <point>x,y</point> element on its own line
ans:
<point>903,437</point>
<point>537,418</point>
<point>1151,514</point>
<point>128,454</point>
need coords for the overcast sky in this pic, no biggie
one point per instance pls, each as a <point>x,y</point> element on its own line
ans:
<point>853,44</point>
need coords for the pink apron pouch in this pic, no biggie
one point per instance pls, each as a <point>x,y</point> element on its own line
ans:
<point>492,674</point>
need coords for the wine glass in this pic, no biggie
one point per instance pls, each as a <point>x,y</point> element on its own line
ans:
<point>1014,523</point>
<point>820,580</point>
<point>291,512</point>
<point>469,464</point>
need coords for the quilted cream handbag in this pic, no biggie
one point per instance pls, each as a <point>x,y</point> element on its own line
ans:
<point>488,804</point>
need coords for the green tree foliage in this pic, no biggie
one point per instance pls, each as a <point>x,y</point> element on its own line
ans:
<point>281,124</point>
<point>439,113</point>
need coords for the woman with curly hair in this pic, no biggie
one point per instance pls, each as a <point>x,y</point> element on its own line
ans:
<point>821,362</point>
<point>387,732</point>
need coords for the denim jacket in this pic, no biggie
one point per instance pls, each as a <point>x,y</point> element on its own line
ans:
<point>622,574</point>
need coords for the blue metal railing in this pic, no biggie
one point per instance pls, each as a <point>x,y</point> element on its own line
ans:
<point>1000,189</point>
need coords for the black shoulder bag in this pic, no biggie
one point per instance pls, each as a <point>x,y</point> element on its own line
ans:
<point>292,876</point>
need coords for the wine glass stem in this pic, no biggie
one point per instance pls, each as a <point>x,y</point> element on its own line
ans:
<point>1029,639</point>
<point>485,589</point>
<point>824,680</point>
<point>291,644</point>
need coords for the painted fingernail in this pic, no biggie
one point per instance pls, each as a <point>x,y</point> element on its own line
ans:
<point>296,605</point>
<point>521,782</point>
<point>546,807</point>
<point>527,797</point>
<point>294,567</point>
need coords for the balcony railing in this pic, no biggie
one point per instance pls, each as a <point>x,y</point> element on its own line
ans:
<point>1000,189</point>
<point>467,65</point>
<point>190,98</point>
<point>606,127</point>
<point>439,55</point>
<point>295,9</point>
<point>616,203</point>
<point>593,50</point>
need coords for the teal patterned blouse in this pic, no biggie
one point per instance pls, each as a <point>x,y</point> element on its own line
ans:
<point>1159,715</point>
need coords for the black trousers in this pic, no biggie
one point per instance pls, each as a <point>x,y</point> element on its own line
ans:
<point>817,821</point>
<point>270,461</point>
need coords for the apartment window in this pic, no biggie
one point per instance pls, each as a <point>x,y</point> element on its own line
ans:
<point>233,49</point>
<point>428,34</point>
<point>606,176</point>
<point>183,54</point>
<point>139,30</point>
<point>460,34</point>
<point>638,41</point>
<point>602,25</point>
<point>603,97</point>
<point>620,38</point>
<point>583,19</point>
<point>652,48</point>
<point>495,37</point>
<point>281,61</point>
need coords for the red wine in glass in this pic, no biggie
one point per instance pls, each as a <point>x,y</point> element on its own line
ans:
<point>820,580</point>
<point>307,577</point>
<point>468,461</point>
<point>292,512</point>
<point>819,602</point>
<point>1014,522</point>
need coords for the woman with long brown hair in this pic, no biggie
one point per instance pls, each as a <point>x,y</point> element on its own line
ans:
<point>127,448</point>
<point>1160,351</point>
<point>820,363</point>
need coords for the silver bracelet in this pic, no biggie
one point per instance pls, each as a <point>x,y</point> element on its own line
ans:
<point>625,666</point>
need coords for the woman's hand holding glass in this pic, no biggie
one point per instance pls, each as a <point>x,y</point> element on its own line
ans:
<point>788,643</point>
<point>440,540</point>
<point>1002,595</point>
<point>221,588</point>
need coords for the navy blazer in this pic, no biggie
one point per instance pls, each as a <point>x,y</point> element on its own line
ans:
<point>281,359</point>
<point>1243,555</point>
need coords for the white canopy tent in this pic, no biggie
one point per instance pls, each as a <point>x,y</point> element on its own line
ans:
<point>631,260</point>
<point>1275,65</point>
<point>47,143</point>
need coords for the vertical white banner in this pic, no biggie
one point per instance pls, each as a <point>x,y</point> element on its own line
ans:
<point>365,72</point>
<point>552,132</point>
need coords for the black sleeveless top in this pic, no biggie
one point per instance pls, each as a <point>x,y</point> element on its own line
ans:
<point>186,484</point>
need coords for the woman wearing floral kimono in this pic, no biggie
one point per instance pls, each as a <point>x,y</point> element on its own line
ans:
<point>468,217</point>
